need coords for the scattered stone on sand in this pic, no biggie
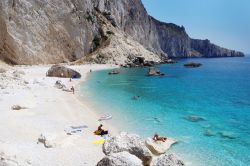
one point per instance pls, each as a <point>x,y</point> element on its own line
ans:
<point>228,135</point>
<point>209,133</point>
<point>17,107</point>
<point>62,71</point>
<point>192,65</point>
<point>121,159</point>
<point>114,72</point>
<point>18,73</point>
<point>42,139</point>
<point>159,147</point>
<point>194,118</point>
<point>154,72</point>
<point>7,161</point>
<point>168,160</point>
<point>128,142</point>
<point>2,70</point>
<point>25,82</point>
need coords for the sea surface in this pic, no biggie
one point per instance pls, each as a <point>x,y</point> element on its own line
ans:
<point>206,109</point>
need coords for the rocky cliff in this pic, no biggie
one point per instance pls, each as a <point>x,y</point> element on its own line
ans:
<point>52,31</point>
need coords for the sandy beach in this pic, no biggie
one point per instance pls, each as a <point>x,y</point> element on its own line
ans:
<point>48,111</point>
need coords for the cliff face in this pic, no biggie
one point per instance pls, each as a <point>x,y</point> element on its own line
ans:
<point>52,31</point>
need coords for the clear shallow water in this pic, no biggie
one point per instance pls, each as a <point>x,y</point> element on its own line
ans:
<point>219,92</point>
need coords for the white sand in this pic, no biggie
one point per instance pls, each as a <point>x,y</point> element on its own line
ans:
<point>49,111</point>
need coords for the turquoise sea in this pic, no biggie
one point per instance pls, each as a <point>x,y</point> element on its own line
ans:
<point>218,93</point>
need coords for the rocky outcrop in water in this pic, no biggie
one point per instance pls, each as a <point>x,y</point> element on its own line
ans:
<point>109,31</point>
<point>152,71</point>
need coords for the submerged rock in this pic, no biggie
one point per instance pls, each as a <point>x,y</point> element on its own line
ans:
<point>168,160</point>
<point>194,118</point>
<point>114,72</point>
<point>128,142</point>
<point>228,135</point>
<point>209,133</point>
<point>159,147</point>
<point>121,159</point>
<point>192,65</point>
<point>154,72</point>
<point>64,72</point>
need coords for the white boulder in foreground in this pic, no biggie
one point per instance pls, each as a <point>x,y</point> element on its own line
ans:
<point>168,160</point>
<point>128,142</point>
<point>121,159</point>
<point>159,147</point>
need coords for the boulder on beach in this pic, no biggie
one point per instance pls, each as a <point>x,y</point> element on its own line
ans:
<point>17,107</point>
<point>154,72</point>
<point>192,65</point>
<point>128,142</point>
<point>168,160</point>
<point>121,159</point>
<point>62,71</point>
<point>194,118</point>
<point>159,147</point>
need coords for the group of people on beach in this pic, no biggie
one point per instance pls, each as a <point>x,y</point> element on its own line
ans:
<point>102,132</point>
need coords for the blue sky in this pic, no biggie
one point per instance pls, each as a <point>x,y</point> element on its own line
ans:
<point>223,22</point>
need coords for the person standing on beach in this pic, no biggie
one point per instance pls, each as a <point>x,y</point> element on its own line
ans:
<point>73,89</point>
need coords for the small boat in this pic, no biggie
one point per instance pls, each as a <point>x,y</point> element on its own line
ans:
<point>105,117</point>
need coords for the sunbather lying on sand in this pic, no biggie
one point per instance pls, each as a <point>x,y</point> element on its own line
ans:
<point>100,131</point>
<point>158,138</point>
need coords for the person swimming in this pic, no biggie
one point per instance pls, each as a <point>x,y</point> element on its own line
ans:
<point>135,97</point>
<point>158,138</point>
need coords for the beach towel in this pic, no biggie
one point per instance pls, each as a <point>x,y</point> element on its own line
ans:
<point>75,129</point>
<point>98,142</point>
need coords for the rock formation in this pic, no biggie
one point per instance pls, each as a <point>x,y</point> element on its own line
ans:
<point>159,147</point>
<point>192,65</point>
<point>154,72</point>
<point>130,143</point>
<point>129,149</point>
<point>53,31</point>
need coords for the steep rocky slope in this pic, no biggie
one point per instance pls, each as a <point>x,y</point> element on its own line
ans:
<point>52,31</point>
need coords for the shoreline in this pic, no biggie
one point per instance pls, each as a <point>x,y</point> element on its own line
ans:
<point>48,111</point>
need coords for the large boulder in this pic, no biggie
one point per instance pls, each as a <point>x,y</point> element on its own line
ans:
<point>128,142</point>
<point>62,71</point>
<point>121,159</point>
<point>159,147</point>
<point>168,160</point>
